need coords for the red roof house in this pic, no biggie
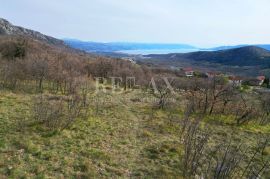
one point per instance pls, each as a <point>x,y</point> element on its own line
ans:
<point>189,72</point>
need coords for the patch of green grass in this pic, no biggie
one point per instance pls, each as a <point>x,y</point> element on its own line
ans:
<point>220,119</point>
<point>124,139</point>
<point>230,121</point>
<point>256,128</point>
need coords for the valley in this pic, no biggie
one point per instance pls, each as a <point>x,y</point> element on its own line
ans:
<point>69,113</point>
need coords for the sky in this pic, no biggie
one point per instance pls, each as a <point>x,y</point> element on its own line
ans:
<point>202,23</point>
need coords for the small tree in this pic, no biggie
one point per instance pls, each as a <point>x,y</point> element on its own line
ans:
<point>161,88</point>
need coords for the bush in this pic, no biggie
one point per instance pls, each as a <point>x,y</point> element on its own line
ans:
<point>57,112</point>
<point>12,50</point>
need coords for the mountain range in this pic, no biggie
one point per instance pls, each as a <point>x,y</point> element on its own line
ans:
<point>267,47</point>
<point>122,46</point>
<point>242,56</point>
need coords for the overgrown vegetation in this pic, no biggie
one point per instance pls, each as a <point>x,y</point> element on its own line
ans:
<point>55,123</point>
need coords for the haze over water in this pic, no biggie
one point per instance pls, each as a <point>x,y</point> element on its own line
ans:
<point>158,51</point>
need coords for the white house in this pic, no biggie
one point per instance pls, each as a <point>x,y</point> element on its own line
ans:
<point>189,72</point>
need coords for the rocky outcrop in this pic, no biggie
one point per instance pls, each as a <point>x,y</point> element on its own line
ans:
<point>6,28</point>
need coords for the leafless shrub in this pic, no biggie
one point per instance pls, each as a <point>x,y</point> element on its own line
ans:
<point>225,159</point>
<point>161,88</point>
<point>186,121</point>
<point>57,112</point>
<point>238,161</point>
<point>194,142</point>
<point>265,108</point>
<point>244,111</point>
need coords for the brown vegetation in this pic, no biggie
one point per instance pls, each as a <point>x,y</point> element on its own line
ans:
<point>63,79</point>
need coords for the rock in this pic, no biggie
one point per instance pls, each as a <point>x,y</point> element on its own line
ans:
<point>6,28</point>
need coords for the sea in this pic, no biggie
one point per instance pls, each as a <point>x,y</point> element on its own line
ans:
<point>158,51</point>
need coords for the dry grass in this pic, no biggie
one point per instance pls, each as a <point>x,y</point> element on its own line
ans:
<point>124,138</point>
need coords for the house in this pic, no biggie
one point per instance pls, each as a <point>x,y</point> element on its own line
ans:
<point>189,72</point>
<point>255,81</point>
<point>261,79</point>
<point>235,80</point>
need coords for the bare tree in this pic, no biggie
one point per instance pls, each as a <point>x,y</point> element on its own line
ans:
<point>225,159</point>
<point>265,108</point>
<point>161,88</point>
<point>243,111</point>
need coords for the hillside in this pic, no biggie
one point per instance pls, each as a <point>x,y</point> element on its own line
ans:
<point>244,56</point>
<point>69,114</point>
<point>6,28</point>
<point>245,61</point>
<point>121,139</point>
<point>264,46</point>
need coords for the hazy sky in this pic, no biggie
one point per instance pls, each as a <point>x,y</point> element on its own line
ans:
<point>198,22</point>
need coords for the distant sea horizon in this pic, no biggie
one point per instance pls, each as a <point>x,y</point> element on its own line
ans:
<point>157,51</point>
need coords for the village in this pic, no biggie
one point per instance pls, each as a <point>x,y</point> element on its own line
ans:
<point>259,83</point>
<point>256,83</point>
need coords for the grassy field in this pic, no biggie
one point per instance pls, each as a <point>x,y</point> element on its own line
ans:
<point>123,137</point>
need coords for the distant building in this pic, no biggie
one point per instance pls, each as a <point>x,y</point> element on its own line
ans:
<point>213,74</point>
<point>255,81</point>
<point>189,72</point>
<point>261,79</point>
<point>129,59</point>
<point>235,80</point>
<point>174,68</point>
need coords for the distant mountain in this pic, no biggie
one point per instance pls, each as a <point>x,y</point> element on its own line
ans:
<point>121,46</point>
<point>6,28</point>
<point>226,47</point>
<point>267,47</point>
<point>243,56</point>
